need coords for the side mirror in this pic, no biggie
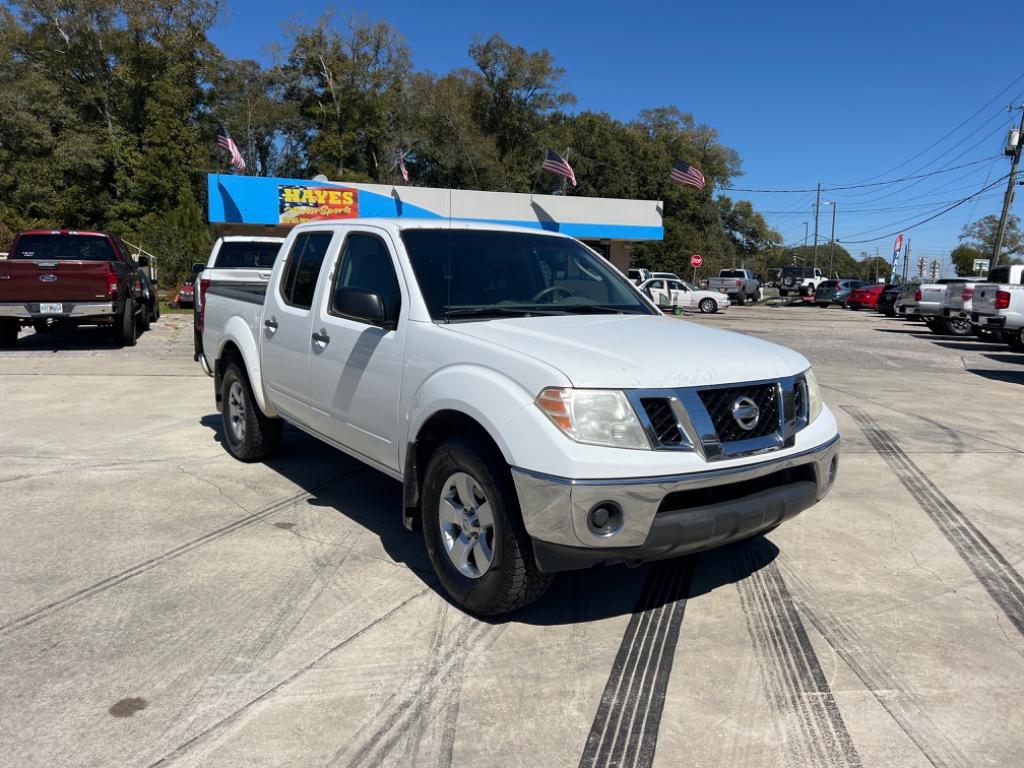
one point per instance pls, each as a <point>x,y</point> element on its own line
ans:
<point>365,306</point>
<point>143,261</point>
<point>197,268</point>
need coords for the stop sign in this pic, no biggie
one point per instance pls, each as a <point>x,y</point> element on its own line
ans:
<point>696,260</point>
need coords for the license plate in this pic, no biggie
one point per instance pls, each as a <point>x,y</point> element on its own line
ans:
<point>51,309</point>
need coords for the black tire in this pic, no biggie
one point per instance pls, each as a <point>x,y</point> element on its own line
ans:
<point>753,298</point>
<point>143,319</point>
<point>956,326</point>
<point>708,306</point>
<point>936,326</point>
<point>125,330</point>
<point>41,326</point>
<point>741,300</point>
<point>1015,340</point>
<point>511,580</point>
<point>8,333</point>
<point>822,304</point>
<point>249,434</point>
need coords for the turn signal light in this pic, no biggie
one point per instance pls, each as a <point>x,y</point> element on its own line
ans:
<point>557,409</point>
<point>968,294</point>
<point>1002,299</point>
<point>111,282</point>
<point>204,286</point>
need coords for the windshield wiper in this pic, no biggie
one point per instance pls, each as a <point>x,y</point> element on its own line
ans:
<point>495,311</point>
<point>594,309</point>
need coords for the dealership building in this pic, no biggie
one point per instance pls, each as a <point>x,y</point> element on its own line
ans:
<point>255,205</point>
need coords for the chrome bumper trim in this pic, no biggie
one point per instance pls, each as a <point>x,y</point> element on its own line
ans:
<point>30,310</point>
<point>555,508</point>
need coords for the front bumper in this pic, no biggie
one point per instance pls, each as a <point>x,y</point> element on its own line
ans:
<point>669,516</point>
<point>74,310</point>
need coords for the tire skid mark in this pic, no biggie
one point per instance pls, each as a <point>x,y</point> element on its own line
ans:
<point>433,699</point>
<point>906,709</point>
<point>795,684</point>
<point>92,590</point>
<point>625,727</point>
<point>999,578</point>
<point>187,746</point>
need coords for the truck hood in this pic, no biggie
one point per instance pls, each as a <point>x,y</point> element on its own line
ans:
<point>627,352</point>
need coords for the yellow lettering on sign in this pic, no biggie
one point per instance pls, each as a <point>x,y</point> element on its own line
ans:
<point>308,196</point>
<point>334,197</point>
<point>291,194</point>
<point>346,197</point>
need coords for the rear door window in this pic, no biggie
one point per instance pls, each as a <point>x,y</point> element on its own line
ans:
<point>304,262</point>
<point>242,255</point>
<point>64,248</point>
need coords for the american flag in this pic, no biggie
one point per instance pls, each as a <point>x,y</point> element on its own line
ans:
<point>224,140</point>
<point>687,174</point>
<point>401,165</point>
<point>555,163</point>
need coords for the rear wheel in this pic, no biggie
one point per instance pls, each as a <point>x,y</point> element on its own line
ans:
<point>144,318</point>
<point>740,299</point>
<point>249,434</point>
<point>474,531</point>
<point>1014,339</point>
<point>125,329</point>
<point>935,326</point>
<point>8,333</point>
<point>708,306</point>
<point>783,292</point>
<point>957,326</point>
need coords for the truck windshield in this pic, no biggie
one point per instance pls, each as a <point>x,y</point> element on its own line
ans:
<point>241,255</point>
<point>63,248</point>
<point>482,273</point>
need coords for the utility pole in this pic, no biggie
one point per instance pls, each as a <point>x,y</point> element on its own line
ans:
<point>832,240</point>
<point>817,208</point>
<point>805,237</point>
<point>1008,198</point>
<point>906,259</point>
<point>876,263</point>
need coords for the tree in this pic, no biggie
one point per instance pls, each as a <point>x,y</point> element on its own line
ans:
<point>981,235</point>
<point>964,256</point>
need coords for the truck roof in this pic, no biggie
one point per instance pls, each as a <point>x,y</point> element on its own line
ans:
<point>401,224</point>
<point>63,232</point>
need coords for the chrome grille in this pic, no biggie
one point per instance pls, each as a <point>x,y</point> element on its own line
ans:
<point>719,404</point>
<point>663,421</point>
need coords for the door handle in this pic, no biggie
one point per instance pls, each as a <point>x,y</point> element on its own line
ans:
<point>321,338</point>
<point>271,324</point>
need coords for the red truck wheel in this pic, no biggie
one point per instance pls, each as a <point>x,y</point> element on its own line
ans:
<point>8,333</point>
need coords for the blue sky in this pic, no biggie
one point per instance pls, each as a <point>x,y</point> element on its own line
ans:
<point>836,93</point>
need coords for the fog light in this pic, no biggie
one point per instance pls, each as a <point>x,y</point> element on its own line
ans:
<point>605,518</point>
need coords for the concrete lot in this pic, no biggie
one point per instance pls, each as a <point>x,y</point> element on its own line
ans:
<point>163,604</point>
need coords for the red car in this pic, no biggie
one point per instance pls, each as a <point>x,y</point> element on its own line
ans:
<point>185,295</point>
<point>866,296</point>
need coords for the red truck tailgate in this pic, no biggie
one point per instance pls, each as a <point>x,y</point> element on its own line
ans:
<point>22,280</point>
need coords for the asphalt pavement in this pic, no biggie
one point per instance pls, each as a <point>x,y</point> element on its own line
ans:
<point>163,604</point>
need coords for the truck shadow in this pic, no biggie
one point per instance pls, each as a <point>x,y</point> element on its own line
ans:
<point>373,501</point>
<point>86,338</point>
<point>1009,377</point>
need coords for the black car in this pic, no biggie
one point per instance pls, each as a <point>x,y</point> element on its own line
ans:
<point>887,300</point>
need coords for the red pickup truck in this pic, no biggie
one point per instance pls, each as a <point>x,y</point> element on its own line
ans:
<point>69,278</point>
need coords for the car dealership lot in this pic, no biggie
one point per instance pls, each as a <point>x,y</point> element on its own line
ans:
<point>161,603</point>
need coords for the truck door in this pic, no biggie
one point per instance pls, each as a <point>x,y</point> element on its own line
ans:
<point>355,369</point>
<point>287,323</point>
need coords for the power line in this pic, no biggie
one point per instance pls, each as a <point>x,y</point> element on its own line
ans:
<point>950,133</point>
<point>922,221</point>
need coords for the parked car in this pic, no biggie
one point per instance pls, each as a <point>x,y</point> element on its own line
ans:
<point>740,285</point>
<point>667,293</point>
<point>150,299</point>
<point>865,296</point>
<point>238,262</point>
<point>887,299</point>
<point>999,304</point>
<point>70,278</point>
<point>638,275</point>
<point>185,295</point>
<point>540,412</point>
<point>835,291</point>
<point>803,281</point>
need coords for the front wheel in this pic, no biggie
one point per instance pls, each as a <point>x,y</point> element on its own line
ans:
<point>474,531</point>
<point>249,434</point>
<point>708,306</point>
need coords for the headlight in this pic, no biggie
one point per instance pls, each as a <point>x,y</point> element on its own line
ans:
<point>594,416</point>
<point>814,404</point>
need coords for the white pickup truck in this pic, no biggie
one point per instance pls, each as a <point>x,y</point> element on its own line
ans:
<point>739,284</point>
<point>540,412</point>
<point>999,304</point>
